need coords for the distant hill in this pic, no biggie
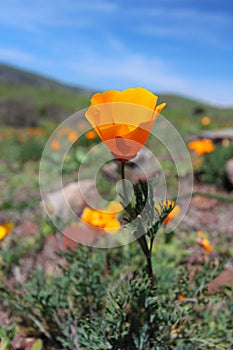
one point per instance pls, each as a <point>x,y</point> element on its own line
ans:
<point>27,98</point>
<point>16,76</point>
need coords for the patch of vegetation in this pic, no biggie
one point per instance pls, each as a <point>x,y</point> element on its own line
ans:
<point>212,167</point>
<point>103,300</point>
<point>98,298</point>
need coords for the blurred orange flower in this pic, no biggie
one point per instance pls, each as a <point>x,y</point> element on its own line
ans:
<point>205,120</point>
<point>200,234</point>
<point>55,145</point>
<point>124,119</point>
<point>205,244</point>
<point>173,214</point>
<point>165,205</point>
<point>35,131</point>
<point>105,219</point>
<point>226,142</point>
<point>72,136</point>
<point>5,229</point>
<point>90,135</point>
<point>201,147</point>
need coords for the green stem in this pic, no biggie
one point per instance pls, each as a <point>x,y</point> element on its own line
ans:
<point>143,244</point>
<point>128,207</point>
<point>141,239</point>
<point>123,182</point>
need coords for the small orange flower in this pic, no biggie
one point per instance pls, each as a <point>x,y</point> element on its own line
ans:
<point>205,120</point>
<point>9,132</point>
<point>124,119</point>
<point>173,214</point>
<point>55,145</point>
<point>5,229</point>
<point>181,297</point>
<point>21,136</point>
<point>34,131</point>
<point>105,219</point>
<point>225,142</point>
<point>205,243</point>
<point>165,205</point>
<point>201,147</point>
<point>72,136</point>
<point>200,234</point>
<point>90,135</point>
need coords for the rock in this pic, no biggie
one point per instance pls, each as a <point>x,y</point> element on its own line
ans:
<point>208,219</point>
<point>229,171</point>
<point>79,233</point>
<point>203,203</point>
<point>72,197</point>
<point>26,230</point>
<point>224,279</point>
<point>111,171</point>
<point>142,167</point>
<point>218,135</point>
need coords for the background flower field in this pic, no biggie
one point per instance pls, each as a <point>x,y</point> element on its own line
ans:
<point>54,297</point>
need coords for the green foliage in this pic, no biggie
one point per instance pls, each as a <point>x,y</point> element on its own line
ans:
<point>6,336</point>
<point>29,105</point>
<point>77,153</point>
<point>100,300</point>
<point>146,218</point>
<point>212,167</point>
<point>30,150</point>
<point>22,147</point>
<point>15,250</point>
<point>55,305</point>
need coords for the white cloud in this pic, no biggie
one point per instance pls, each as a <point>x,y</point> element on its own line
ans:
<point>32,16</point>
<point>206,28</point>
<point>134,69</point>
<point>16,55</point>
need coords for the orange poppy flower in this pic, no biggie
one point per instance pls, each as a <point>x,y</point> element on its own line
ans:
<point>104,219</point>
<point>5,229</point>
<point>90,135</point>
<point>124,119</point>
<point>72,136</point>
<point>55,145</point>
<point>201,147</point>
<point>173,214</point>
<point>205,120</point>
<point>205,244</point>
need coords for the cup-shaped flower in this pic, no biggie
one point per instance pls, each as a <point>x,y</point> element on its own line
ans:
<point>173,214</point>
<point>103,219</point>
<point>124,119</point>
<point>5,229</point>
<point>201,147</point>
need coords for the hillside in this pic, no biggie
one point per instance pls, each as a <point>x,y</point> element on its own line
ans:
<point>16,76</point>
<point>26,98</point>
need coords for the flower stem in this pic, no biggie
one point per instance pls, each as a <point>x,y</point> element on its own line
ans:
<point>140,234</point>
<point>123,182</point>
<point>128,207</point>
<point>147,252</point>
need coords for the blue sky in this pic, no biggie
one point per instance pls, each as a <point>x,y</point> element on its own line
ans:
<point>168,46</point>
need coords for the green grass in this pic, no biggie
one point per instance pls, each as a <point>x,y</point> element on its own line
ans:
<point>179,110</point>
<point>41,96</point>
